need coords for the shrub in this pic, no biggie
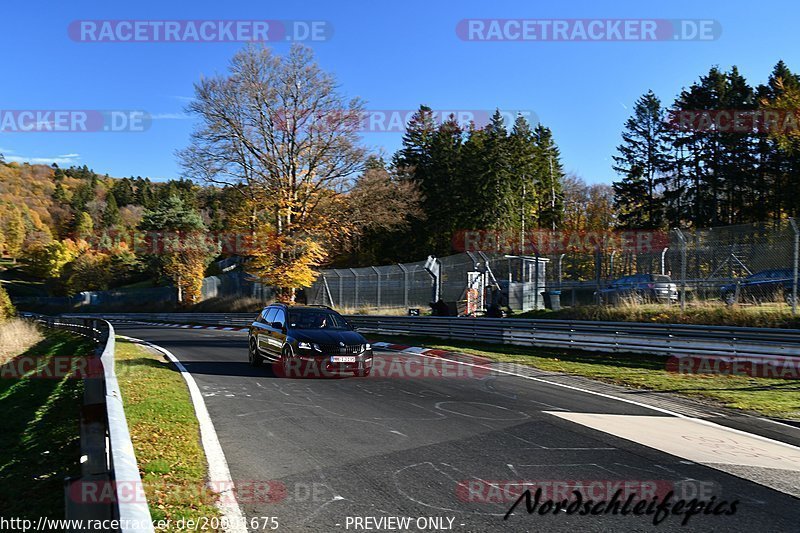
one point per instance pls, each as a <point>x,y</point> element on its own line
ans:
<point>6,307</point>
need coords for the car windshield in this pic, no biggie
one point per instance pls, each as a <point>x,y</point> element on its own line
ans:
<point>316,320</point>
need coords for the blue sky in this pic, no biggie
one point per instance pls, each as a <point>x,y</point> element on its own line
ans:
<point>394,55</point>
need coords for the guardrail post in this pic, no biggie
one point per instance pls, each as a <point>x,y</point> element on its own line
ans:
<point>105,445</point>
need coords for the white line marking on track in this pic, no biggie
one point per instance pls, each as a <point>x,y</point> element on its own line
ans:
<point>626,400</point>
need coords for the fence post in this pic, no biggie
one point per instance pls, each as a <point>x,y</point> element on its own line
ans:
<point>796,263</point>
<point>597,273</point>
<point>328,290</point>
<point>611,264</point>
<point>378,274</point>
<point>405,284</point>
<point>682,244</point>
<point>339,277</point>
<point>663,253</point>
<point>434,268</point>
<point>355,287</point>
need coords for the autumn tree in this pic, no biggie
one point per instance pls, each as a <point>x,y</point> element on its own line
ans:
<point>6,307</point>
<point>279,126</point>
<point>14,230</point>
<point>380,204</point>
<point>179,248</point>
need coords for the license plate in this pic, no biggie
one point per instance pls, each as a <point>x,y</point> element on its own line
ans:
<point>343,359</point>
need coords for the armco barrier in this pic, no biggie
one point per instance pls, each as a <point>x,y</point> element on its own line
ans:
<point>107,456</point>
<point>663,339</point>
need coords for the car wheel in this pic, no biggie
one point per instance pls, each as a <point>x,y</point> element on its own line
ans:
<point>252,354</point>
<point>729,299</point>
<point>789,297</point>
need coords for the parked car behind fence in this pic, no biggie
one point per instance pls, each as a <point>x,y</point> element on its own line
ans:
<point>639,288</point>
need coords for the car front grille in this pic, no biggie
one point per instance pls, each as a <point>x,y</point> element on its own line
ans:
<point>335,349</point>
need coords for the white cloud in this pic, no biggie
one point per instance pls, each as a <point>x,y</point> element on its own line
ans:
<point>65,159</point>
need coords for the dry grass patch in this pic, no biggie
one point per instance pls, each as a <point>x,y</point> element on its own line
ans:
<point>16,336</point>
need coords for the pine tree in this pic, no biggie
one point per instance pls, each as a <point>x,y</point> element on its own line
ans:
<point>443,193</point>
<point>550,176</point>
<point>84,226</point>
<point>494,188</point>
<point>123,192</point>
<point>111,216</point>
<point>414,161</point>
<point>642,161</point>
<point>523,152</point>
<point>59,194</point>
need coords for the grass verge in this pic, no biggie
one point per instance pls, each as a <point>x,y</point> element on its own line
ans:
<point>165,435</point>
<point>777,398</point>
<point>40,437</point>
<point>758,316</point>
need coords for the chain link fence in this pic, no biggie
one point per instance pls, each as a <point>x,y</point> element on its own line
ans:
<point>743,264</point>
<point>748,264</point>
<point>466,282</point>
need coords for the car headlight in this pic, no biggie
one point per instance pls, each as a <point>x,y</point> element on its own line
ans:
<point>368,346</point>
<point>304,345</point>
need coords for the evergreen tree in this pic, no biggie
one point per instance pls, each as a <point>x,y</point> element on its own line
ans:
<point>523,151</point>
<point>123,192</point>
<point>59,194</point>
<point>550,177</point>
<point>84,225</point>
<point>444,195</point>
<point>111,216</point>
<point>641,160</point>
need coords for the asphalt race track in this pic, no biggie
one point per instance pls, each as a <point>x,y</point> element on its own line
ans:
<point>340,454</point>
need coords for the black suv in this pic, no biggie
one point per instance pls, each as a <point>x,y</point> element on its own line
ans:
<point>308,341</point>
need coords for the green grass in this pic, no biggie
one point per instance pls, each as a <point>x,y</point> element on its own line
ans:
<point>165,434</point>
<point>778,398</point>
<point>40,437</point>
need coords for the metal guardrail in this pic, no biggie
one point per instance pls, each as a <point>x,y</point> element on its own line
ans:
<point>637,337</point>
<point>107,456</point>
